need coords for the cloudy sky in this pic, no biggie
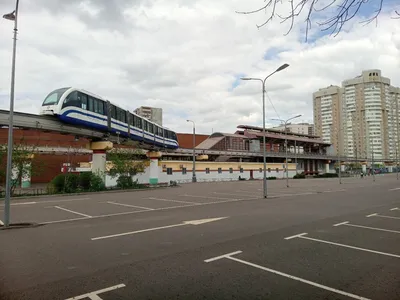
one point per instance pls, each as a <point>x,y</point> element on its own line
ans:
<point>186,56</point>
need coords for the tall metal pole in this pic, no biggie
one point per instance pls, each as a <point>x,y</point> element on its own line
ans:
<point>11,122</point>
<point>194,179</point>
<point>282,67</point>
<point>340,163</point>
<point>264,146</point>
<point>373,169</point>
<point>286,166</point>
<point>295,154</point>
<point>398,135</point>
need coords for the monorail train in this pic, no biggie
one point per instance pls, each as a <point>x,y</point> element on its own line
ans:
<point>79,107</point>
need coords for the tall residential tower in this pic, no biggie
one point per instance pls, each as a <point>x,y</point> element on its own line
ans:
<point>364,115</point>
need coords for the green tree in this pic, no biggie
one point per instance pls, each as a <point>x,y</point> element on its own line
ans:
<point>125,163</point>
<point>22,164</point>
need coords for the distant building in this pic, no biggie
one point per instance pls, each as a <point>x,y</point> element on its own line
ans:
<point>302,128</point>
<point>151,113</point>
<point>363,115</point>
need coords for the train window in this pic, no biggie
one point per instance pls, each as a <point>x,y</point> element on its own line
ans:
<point>84,100</point>
<point>113,112</point>
<point>72,100</point>
<point>151,128</point>
<point>132,119</point>
<point>121,115</point>
<point>95,105</point>
<point>100,106</point>
<point>145,125</point>
<point>173,136</point>
<point>138,122</point>
<point>164,133</point>
<point>90,104</point>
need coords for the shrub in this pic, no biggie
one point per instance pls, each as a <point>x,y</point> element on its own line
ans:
<point>124,181</point>
<point>271,178</point>
<point>96,183</point>
<point>299,176</point>
<point>84,180</point>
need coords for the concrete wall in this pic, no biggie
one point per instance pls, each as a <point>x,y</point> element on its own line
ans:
<point>276,170</point>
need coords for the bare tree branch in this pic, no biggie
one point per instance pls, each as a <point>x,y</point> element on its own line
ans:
<point>341,11</point>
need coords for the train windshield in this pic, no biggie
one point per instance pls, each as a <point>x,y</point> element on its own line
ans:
<point>54,97</point>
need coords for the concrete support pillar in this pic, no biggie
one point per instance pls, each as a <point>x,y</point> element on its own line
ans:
<point>326,167</point>
<point>99,158</point>
<point>342,167</point>
<point>154,157</point>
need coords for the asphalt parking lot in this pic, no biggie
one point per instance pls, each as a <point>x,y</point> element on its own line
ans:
<point>317,239</point>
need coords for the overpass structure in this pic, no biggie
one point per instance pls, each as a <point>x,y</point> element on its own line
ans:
<point>101,142</point>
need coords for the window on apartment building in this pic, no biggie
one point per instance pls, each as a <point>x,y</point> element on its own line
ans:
<point>169,171</point>
<point>219,170</point>
<point>231,170</point>
<point>260,170</point>
<point>269,170</point>
<point>277,170</point>
<point>207,170</point>
<point>183,171</point>
<point>241,170</point>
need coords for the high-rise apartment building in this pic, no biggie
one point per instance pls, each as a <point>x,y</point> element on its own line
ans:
<point>366,121</point>
<point>302,128</point>
<point>151,113</point>
<point>327,107</point>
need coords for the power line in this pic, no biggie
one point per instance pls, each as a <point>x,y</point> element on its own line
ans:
<point>270,101</point>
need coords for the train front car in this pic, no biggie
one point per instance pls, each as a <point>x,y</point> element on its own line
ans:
<point>50,104</point>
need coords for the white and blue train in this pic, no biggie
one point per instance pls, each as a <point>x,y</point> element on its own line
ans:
<point>84,109</point>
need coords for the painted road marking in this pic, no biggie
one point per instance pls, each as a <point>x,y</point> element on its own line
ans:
<point>231,194</point>
<point>395,189</point>
<point>207,197</point>
<point>95,295</point>
<point>74,212</point>
<point>193,222</point>
<point>21,203</point>
<point>394,208</point>
<point>169,200</point>
<point>302,236</point>
<point>382,216</point>
<point>324,287</point>
<point>128,205</point>
<point>1,223</point>
<point>366,227</point>
<point>295,236</point>
<point>148,211</point>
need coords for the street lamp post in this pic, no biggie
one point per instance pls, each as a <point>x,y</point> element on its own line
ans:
<point>13,17</point>
<point>194,152</point>
<point>282,67</point>
<point>286,146</point>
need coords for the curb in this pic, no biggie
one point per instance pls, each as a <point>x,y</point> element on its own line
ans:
<point>20,226</point>
<point>84,193</point>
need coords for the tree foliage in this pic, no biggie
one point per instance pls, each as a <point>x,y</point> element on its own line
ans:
<point>125,162</point>
<point>334,14</point>
<point>22,164</point>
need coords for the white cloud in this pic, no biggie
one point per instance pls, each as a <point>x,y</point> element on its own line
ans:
<point>185,56</point>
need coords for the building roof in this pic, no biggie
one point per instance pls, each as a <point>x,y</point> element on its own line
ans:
<point>218,134</point>
<point>210,142</point>
<point>260,129</point>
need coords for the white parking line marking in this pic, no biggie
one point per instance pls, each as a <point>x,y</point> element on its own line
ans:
<point>128,205</point>
<point>193,222</point>
<point>324,287</point>
<point>148,211</point>
<point>24,203</point>
<point>371,215</point>
<point>395,189</point>
<point>383,216</point>
<point>207,197</point>
<point>302,236</point>
<point>169,200</point>
<point>231,195</point>
<point>222,256</point>
<point>95,295</point>
<point>1,223</point>
<point>395,208</point>
<point>338,224</point>
<point>367,227</point>
<point>295,236</point>
<point>74,212</point>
